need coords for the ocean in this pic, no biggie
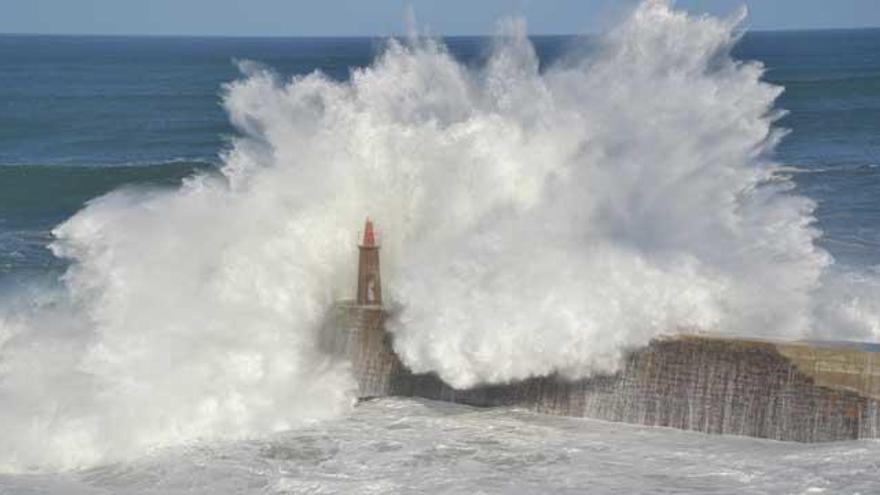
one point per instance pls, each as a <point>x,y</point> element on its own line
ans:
<point>415,446</point>
<point>86,114</point>
<point>177,213</point>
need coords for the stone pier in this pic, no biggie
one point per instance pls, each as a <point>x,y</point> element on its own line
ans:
<point>799,391</point>
<point>806,392</point>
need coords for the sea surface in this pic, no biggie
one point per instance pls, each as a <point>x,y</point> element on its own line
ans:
<point>419,446</point>
<point>80,116</point>
<point>83,115</point>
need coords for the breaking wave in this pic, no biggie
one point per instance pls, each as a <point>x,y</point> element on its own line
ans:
<point>533,221</point>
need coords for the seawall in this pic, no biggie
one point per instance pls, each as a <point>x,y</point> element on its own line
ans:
<point>806,392</point>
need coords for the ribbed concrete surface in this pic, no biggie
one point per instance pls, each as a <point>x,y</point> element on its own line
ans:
<point>791,391</point>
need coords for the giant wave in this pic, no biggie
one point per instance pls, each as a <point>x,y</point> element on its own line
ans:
<point>534,220</point>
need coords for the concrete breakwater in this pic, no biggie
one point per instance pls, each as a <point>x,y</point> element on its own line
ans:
<point>806,392</point>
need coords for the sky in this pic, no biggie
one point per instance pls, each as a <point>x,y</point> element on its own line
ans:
<point>385,17</point>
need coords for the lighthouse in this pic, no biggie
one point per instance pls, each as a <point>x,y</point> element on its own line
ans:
<point>369,287</point>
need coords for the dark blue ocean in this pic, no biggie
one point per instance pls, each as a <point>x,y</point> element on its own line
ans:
<point>80,116</point>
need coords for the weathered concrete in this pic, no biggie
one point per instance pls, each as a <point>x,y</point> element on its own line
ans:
<point>358,333</point>
<point>792,391</point>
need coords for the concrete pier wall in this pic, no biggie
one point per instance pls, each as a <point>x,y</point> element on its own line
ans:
<point>798,392</point>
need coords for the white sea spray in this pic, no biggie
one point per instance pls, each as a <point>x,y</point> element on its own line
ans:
<point>532,220</point>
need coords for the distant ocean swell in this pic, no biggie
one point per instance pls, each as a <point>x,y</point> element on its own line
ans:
<point>35,198</point>
<point>37,185</point>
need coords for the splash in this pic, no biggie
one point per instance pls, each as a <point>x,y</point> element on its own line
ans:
<point>627,193</point>
<point>533,221</point>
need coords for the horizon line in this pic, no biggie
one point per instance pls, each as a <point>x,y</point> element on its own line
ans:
<point>396,35</point>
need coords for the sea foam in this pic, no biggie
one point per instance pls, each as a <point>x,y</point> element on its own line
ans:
<point>532,221</point>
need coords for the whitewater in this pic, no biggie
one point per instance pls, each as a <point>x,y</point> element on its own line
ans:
<point>533,220</point>
<point>414,446</point>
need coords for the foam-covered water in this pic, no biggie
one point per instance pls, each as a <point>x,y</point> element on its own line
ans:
<point>414,446</point>
<point>534,219</point>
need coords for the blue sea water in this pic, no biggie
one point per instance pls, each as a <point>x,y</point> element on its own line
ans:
<point>82,115</point>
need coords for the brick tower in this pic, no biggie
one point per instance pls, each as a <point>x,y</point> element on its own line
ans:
<point>369,290</point>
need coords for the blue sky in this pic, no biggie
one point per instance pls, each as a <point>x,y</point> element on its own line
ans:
<point>383,17</point>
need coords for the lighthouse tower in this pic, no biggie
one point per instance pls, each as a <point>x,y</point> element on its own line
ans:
<point>369,289</point>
